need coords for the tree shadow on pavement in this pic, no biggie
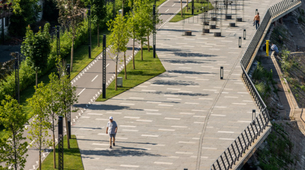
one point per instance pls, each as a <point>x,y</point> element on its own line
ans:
<point>116,152</point>
<point>187,61</point>
<point>102,107</point>
<point>188,72</point>
<point>174,82</point>
<point>179,94</point>
<point>183,54</point>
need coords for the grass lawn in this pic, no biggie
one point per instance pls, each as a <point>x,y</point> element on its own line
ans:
<point>188,14</point>
<point>145,70</point>
<point>72,158</point>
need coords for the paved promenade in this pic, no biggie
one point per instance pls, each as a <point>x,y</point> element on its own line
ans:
<point>184,118</point>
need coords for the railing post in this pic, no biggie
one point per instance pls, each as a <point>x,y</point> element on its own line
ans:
<point>236,157</point>
<point>260,128</point>
<point>222,161</point>
<point>218,164</point>
<point>250,133</point>
<point>247,138</point>
<point>243,150</point>
<point>253,132</point>
<point>231,158</point>
<point>264,126</point>
<point>237,149</point>
<point>242,135</point>
<point>227,160</point>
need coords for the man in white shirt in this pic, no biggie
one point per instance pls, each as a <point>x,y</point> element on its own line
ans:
<point>111,129</point>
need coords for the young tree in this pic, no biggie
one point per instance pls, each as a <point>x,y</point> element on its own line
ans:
<point>132,34</point>
<point>52,94</point>
<point>67,99</point>
<point>99,13</point>
<point>142,21</point>
<point>39,126</point>
<point>118,38</point>
<point>36,47</point>
<point>13,147</point>
<point>69,16</point>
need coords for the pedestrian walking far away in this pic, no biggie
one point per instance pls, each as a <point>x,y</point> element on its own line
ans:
<point>256,20</point>
<point>112,129</point>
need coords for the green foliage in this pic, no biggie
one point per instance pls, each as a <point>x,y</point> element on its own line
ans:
<point>36,47</point>
<point>40,124</point>
<point>263,80</point>
<point>286,63</point>
<point>277,154</point>
<point>25,13</point>
<point>13,145</point>
<point>119,34</point>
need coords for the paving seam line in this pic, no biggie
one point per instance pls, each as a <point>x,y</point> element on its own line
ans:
<point>212,108</point>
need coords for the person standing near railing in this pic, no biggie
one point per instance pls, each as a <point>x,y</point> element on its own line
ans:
<point>256,20</point>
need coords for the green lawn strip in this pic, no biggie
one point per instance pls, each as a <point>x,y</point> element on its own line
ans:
<point>188,14</point>
<point>72,157</point>
<point>145,70</point>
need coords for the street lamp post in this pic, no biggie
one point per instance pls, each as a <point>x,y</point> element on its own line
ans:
<point>16,55</point>
<point>104,66</point>
<point>89,30</point>
<point>69,113</point>
<point>60,144</point>
<point>154,31</point>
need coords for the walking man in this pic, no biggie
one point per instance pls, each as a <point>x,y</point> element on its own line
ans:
<point>256,20</point>
<point>111,129</point>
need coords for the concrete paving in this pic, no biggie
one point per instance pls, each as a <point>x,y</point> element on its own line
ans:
<point>187,116</point>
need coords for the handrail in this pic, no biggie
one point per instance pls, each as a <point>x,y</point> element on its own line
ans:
<point>232,154</point>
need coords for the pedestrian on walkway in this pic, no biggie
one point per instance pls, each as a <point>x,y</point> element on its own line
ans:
<point>111,129</point>
<point>256,20</point>
<point>275,49</point>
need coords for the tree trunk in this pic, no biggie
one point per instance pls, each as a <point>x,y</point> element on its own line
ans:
<point>116,71</point>
<point>36,77</point>
<point>67,129</point>
<point>187,5</point>
<point>148,47</point>
<point>98,35</point>
<point>141,49</point>
<point>181,7</point>
<point>71,62</point>
<point>54,151</point>
<point>125,66</point>
<point>133,62</point>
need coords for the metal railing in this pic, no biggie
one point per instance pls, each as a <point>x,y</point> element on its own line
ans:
<point>282,6</point>
<point>232,154</point>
